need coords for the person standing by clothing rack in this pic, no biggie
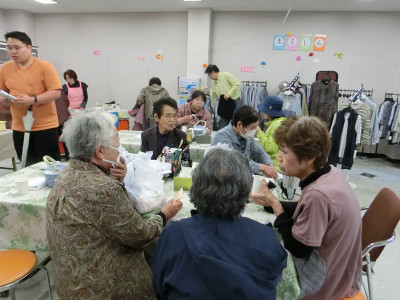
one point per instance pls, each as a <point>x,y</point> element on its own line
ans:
<point>75,90</point>
<point>226,87</point>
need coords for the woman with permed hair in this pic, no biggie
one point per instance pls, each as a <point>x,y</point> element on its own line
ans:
<point>323,229</point>
<point>217,253</point>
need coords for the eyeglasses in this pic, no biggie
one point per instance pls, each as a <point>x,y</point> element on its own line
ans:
<point>170,117</point>
<point>16,48</point>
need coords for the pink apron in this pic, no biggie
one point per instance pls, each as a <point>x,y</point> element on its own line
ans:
<point>75,96</point>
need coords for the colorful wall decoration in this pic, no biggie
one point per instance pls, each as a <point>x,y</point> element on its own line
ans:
<point>304,42</point>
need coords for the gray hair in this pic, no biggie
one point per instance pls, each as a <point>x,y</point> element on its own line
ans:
<point>221,183</point>
<point>84,132</point>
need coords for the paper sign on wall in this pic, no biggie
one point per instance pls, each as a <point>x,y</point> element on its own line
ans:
<point>279,42</point>
<point>186,86</point>
<point>319,42</point>
<point>248,69</point>
<point>292,43</point>
<point>306,42</point>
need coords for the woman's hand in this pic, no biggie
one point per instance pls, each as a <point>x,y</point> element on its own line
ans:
<point>119,171</point>
<point>172,207</point>
<point>184,120</point>
<point>265,198</point>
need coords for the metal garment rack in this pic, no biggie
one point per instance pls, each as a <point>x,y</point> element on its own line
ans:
<point>349,93</point>
<point>248,83</point>
<point>388,95</point>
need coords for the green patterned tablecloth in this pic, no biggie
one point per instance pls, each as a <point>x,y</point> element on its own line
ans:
<point>23,217</point>
<point>23,221</point>
<point>131,141</point>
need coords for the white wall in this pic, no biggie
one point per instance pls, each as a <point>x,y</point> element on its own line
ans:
<point>368,41</point>
<point>198,43</point>
<point>2,24</point>
<point>68,42</point>
<point>17,20</point>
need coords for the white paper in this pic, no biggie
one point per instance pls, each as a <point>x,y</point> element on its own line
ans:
<point>6,95</point>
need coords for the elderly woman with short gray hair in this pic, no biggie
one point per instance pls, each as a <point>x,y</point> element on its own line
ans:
<point>217,253</point>
<point>95,235</point>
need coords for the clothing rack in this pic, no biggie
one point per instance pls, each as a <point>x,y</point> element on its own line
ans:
<point>248,83</point>
<point>388,95</point>
<point>348,93</point>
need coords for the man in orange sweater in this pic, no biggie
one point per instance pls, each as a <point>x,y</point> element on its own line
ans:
<point>35,84</point>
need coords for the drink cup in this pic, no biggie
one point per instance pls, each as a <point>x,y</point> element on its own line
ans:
<point>257,183</point>
<point>22,185</point>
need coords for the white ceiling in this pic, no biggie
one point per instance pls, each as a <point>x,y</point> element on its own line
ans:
<point>98,6</point>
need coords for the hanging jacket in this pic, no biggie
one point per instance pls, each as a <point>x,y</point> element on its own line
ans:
<point>324,100</point>
<point>351,137</point>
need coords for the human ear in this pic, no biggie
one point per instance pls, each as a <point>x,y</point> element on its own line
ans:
<point>98,152</point>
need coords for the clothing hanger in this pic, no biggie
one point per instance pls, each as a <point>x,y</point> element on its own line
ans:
<point>326,80</point>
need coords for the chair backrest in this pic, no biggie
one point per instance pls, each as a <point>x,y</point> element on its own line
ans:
<point>380,220</point>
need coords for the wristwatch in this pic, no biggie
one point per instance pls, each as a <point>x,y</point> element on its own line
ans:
<point>35,98</point>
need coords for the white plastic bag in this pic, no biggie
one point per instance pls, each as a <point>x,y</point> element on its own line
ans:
<point>144,185</point>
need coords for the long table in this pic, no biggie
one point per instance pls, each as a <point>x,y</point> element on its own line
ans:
<point>131,141</point>
<point>23,221</point>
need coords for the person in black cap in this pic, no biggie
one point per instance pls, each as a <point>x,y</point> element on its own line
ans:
<point>272,109</point>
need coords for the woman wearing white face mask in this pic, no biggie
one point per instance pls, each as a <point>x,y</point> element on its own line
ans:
<point>95,235</point>
<point>239,136</point>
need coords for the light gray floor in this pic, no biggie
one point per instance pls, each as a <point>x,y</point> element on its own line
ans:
<point>387,272</point>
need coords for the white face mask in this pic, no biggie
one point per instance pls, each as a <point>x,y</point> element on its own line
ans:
<point>118,158</point>
<point>249,133</point>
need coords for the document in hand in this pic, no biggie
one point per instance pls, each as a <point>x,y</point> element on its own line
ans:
<point>6,95</point>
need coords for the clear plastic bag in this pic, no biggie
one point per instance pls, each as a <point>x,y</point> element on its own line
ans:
<point>144,185</point>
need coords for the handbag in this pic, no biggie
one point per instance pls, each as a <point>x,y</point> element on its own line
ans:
<point>226,107</point>
<point>177,157</point>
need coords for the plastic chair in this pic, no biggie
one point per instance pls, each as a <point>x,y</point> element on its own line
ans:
<point>378,230</point>
<point>17,266</point>
<point>358,296</point>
